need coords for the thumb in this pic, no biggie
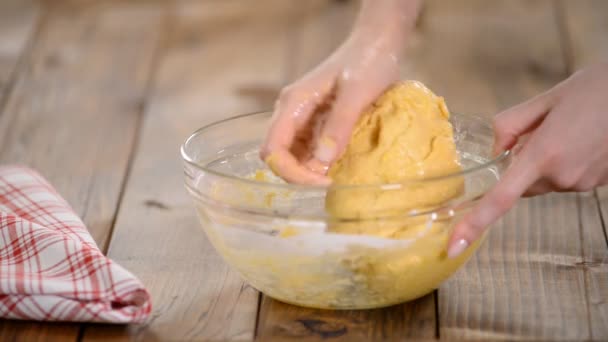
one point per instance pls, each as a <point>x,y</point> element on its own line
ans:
<point>495,203</point>
<point>510,124</point>
<point>291,111</point>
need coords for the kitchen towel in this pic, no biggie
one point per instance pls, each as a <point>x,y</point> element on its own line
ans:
<point>50,267</point>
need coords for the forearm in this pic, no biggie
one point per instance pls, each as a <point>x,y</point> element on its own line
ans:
<point>386,20</point>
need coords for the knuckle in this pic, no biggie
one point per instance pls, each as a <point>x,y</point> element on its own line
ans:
<point>565,180</point>
<point>503,130</point>
<point>583,187</point>
<point>266,149</point>
<point>293,94</point>
<point>474,228</point>
<point>585,184</point>
<point>501,202</point>
<point>346,75</point>
<point>551,158</point>
<point>264,152</point>
<point>286,93</point>
<point>502,123</point>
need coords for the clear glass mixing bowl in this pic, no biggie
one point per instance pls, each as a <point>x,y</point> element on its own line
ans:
<point>279,237</point>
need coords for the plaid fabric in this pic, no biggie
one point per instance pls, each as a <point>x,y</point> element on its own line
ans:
<point>50,267</point>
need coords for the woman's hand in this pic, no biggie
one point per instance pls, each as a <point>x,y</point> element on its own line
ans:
<point>565,149</point>
<point>314,116</point>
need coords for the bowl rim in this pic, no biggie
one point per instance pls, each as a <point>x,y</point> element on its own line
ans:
<point>302,187</point>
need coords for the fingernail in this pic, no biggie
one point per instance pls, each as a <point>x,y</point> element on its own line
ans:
<point>325,150</point>
<point>457,248</point>
<point>317,166</point>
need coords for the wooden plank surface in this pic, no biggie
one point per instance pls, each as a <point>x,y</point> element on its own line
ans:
<point>18,19</point>
<point>73,115</point>
<point>215,64</point>
<point>75,102</point>
<point>585,24</point>
<point>39,332</point>
<point>76,105</point>
<point>523,283</point>
<point>595,262</point>
<point>585,27</point>
<point>449,53</point>
<point>413,320</point>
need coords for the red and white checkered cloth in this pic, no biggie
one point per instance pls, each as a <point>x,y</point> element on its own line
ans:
<point>50,267</point>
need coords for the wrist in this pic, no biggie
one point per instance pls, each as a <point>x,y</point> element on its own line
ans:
<point>385,22</point>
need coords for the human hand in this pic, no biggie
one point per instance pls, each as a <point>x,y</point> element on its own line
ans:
<point>565,149</point>
<point>314,116</point>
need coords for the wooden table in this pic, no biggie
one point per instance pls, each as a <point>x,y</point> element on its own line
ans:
<point>98,95</point>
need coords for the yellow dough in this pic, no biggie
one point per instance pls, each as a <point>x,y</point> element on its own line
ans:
<point>381,247</point>
<point>405,136</point>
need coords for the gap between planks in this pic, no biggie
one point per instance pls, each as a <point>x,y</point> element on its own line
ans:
<point>166,29</point>
<point>583,26</point>
<point>316,30</point>
<point>22,58</point>
<point>53,26</point>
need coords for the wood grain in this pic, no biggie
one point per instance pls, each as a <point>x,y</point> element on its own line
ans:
<point>73,99</point>
<point>221,59</point>
<point>584,26</point>
<point>76,105</point>
<point>528,283</point>
<point>524,283</point>
<point>18,20</point>
<point>595,263</point>
<point>472,53</point>
<point>602,196</point>
<point>36,331</point>
<point>74,111</point>
<point>318,28</point>
<point>414,320</point>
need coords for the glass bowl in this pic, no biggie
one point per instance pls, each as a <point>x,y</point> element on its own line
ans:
<point>279,237</point>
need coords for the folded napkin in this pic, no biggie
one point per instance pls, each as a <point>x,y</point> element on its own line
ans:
<point>50,267</point>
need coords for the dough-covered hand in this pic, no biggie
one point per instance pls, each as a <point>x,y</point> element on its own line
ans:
<point>315,115</point>
<point>565,149</point>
